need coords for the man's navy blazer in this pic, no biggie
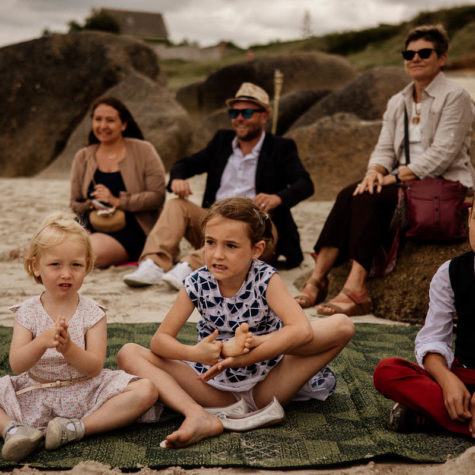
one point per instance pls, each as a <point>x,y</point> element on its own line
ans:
<point>279,171</point>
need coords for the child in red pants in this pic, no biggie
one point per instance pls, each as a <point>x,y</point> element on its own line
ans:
<point>441,388</point>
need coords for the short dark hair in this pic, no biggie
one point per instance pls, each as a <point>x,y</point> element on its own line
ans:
<point>436,34</point>
<point>132,129</point>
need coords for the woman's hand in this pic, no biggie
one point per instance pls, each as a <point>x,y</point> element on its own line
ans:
<point>208,350</point>
<point>372,181</point>
<point>102,193</point>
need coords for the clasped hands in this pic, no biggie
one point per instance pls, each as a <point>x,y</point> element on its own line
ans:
<point>209,350</point>
<point>57,336</point>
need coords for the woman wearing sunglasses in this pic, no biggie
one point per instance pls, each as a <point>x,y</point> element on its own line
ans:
<point>439,125</point>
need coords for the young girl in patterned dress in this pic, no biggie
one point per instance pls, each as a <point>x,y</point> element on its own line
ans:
<point>254,340</point>
<point>59,348</point>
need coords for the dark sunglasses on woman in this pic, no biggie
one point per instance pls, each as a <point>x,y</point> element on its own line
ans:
<point>423,53</point>
<point>246,113</point>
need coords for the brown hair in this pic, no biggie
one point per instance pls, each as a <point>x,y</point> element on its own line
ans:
<point>54,230</point>
<point>436,34</point>
<point>132,129</point>
<point>260,225</point>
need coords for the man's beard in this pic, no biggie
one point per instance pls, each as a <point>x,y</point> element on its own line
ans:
<point>251,135</point>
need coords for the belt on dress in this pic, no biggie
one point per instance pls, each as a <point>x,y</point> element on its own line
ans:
<point>45,383</point>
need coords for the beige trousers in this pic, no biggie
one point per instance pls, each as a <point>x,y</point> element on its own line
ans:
<point>179,219</point>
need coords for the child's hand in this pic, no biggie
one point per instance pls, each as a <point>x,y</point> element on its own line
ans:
<point>62,335</point>
<point>49,338</point>
<point>208,350</point>
<point>239,344</point>
<point>457,399</point>
<point>217,368</point>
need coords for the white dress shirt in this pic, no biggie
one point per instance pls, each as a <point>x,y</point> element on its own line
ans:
<point>239,175</point>
<point>436,334</point>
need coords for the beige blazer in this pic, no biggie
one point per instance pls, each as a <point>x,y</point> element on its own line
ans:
<point>446,134</point>
<point>144,177</point>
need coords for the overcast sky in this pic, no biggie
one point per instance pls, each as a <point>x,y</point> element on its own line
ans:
<point>244,22</point>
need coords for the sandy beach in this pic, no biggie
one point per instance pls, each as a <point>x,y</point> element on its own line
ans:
<point>29,200</point>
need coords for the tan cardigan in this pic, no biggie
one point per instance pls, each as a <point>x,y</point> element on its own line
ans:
<point>144,177</point>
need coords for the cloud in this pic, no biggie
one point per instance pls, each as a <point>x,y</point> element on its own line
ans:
<point>244,22</point>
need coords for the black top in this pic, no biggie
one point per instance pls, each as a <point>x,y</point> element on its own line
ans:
<point>132,237</point>
<point>462,280</point>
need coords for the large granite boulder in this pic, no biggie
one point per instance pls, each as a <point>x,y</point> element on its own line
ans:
<point>335,151</point>
<point>294,104</point>
<point>403,294</point>
<point>366,96</point>
<point>206,129</point>
<point>301,71</point>
<point>162,120</point>
<point>47,85</point>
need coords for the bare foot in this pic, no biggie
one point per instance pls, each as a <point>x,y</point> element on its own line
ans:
<point>195,427</point>
<point>239,344</point>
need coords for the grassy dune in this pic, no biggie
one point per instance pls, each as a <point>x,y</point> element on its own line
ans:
<point>379,46</point>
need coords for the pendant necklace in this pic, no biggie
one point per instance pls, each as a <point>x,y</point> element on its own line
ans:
<point>417,109</point>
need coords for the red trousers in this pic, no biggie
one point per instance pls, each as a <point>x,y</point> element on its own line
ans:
<point>412,386</point>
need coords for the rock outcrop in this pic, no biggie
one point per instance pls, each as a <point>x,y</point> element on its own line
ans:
<point>402,295</point>
<point>162,120</point>
<point>48,84</point>
<point>301,71</point>
<point>335,151</point>
<point>366,96</point>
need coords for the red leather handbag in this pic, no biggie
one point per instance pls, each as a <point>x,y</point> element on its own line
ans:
<point>434,210</point>
<point>433,205</point>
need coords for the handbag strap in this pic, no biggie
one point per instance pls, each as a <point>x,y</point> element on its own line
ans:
<point>89,158</point>
<point>406,137</point>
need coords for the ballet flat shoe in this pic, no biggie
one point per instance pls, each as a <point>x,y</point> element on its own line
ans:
<point>268,415</point>
<point>239,408</point>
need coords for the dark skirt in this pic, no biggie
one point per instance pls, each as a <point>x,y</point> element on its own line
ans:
<point>359,225</point>
<point>132,237</point>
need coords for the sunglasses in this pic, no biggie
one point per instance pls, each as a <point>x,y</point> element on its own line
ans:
<point>423,53</point>
<point>246,113</point>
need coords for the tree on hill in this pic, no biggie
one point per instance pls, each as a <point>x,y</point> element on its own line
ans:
<point>97,20</point>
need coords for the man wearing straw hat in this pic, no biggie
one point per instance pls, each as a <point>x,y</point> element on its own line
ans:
<point>245,161</point>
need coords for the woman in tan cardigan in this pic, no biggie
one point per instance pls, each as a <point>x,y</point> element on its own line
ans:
<point>118,169</point>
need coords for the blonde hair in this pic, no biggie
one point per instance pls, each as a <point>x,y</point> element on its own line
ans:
<point>54,230</point>
<point>260,225</point>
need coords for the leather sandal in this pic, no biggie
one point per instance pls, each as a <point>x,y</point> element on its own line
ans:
<point>309,299</point>
<point>361,304</point>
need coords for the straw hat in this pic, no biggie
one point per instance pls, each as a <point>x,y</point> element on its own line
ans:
<point>251,93</point>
